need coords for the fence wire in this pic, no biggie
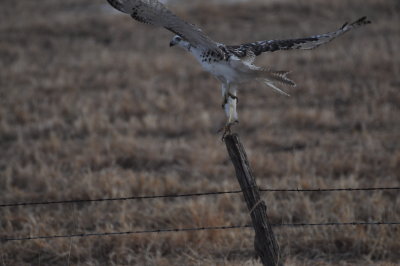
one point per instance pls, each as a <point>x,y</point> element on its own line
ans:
<point>176,230</point>
<point>15,204</point>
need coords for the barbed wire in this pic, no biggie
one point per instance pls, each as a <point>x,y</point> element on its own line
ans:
<point>15,204</point>
<point>119,198</point>
<point>175,230</point>
<point>330,189</point>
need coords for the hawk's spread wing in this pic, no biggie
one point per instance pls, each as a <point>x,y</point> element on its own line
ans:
<point>155,13</point>
<point>303,43</point>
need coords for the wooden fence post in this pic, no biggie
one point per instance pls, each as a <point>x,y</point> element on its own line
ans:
<point>265,244</point>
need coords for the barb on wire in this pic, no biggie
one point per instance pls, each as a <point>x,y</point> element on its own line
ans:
<point>175,230</point>
<point>15,204</point>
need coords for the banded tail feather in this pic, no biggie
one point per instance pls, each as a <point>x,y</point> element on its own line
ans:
<point>270,77</point>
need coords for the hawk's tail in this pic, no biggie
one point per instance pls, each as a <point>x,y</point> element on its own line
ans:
<point>270,77</point>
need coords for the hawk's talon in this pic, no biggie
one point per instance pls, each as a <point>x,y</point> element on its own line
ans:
<point>226,129</point>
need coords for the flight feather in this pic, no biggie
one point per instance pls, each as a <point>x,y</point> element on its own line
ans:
<point>155,13</point>
<point>302,43</point>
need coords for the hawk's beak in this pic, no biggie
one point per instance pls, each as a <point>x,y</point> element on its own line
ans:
<point>172,43</point>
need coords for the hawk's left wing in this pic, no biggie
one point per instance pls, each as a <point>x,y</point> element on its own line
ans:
<point>302,43</point>
<point>155,13</point>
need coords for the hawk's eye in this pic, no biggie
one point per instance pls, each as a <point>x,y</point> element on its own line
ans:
<point>178,39</point>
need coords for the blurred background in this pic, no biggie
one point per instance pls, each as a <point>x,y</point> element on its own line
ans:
<point>96,105</point>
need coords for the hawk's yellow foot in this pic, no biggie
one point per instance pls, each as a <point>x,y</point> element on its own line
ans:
<point>226,129</point>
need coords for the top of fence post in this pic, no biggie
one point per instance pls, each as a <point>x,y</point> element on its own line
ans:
<point>265,244</point>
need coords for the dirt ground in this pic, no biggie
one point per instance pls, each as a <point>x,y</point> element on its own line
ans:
<point>96,105</point>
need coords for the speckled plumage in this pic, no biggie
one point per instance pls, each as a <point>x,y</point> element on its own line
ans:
<point>231,64</point>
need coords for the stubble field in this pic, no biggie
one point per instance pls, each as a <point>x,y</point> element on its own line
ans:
<point>95,105</point>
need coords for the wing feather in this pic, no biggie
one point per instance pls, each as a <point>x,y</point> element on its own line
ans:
<point>155,13</point>
<point>302,43</point>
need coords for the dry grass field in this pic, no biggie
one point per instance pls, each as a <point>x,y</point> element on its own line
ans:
<point>95,105</point>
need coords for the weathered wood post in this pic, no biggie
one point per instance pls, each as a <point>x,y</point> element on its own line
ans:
<point>265,244</point>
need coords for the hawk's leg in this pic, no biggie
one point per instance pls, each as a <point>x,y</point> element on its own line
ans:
<point>225,99</point>
<point>230,101</point>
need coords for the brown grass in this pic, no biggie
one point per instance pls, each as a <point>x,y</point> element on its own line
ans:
<point>95,105</point>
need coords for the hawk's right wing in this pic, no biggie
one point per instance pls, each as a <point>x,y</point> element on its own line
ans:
<point>302,43</point>
<point>155,13</point>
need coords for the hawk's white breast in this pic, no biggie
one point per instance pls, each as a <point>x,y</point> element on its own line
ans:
<point>219,68</point>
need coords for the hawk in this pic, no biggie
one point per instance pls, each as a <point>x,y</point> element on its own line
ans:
<point>230,64</point>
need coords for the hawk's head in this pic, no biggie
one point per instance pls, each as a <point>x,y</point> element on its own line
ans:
<point>178,40</point>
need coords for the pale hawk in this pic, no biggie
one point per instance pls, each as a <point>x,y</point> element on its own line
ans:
<point>231,64</point>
